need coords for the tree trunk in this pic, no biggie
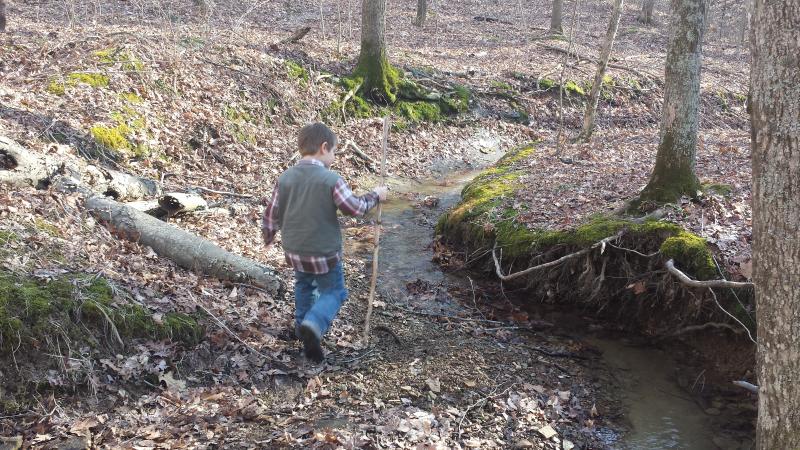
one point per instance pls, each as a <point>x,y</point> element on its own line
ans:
<point>2,16</point>
<point>379,77</point>
<point>605,54</point>
<point>555,18</point>
<point>646,14</point>
<point>422,12</point>
<point>673,174</point>
<point>185,249</point>
<point>775,120</point>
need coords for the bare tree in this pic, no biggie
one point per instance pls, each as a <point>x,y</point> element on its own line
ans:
<point>775,120</point>
<point>646,14</point>
<point>378,77</point>
<point>555,18</point>
<point>673,174</point>
<point>2,16</point>
<point>605,54</point>
<point>422,12</point>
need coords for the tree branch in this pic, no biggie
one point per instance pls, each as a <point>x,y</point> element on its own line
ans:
<point>704,284</point>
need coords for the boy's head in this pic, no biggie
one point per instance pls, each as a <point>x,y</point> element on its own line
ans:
<point>317,140</point>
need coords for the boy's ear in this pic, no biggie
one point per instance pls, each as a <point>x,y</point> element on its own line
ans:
<point>324,147</point>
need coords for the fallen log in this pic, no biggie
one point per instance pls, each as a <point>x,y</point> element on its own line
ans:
<point>21,167</point>
<point>185,249</point>
<point>176,203</point>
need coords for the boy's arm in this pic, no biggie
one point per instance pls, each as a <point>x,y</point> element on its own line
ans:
<point>351,204</point>
<point>270,222</point>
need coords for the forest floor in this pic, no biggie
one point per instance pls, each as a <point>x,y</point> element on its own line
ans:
<point>208,101</point>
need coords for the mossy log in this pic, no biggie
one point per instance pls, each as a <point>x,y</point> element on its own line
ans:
<point>185,249</point>
<point>20,167</point>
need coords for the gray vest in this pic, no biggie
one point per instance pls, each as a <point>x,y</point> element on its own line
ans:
<point>306,211</point>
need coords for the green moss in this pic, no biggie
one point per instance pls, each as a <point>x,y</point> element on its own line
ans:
<point>34,313</point>
<point>546,83</point>
<point>690,251</point>
<point>419,111</point>
<point>96,80</point>
<point>501,85</point>
<point>608,80</point>
<point>111,137</point>
<point>56,88</point>
<point>48,228</point>
<point>296,71</point>
<point>131,97</point>
<point>378,79</point>
<point>573,87</point>
<point>8,236</point>
<point>115,55</point>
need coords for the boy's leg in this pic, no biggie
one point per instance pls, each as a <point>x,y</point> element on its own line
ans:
<point>332,294</point>
<point>304,290</point>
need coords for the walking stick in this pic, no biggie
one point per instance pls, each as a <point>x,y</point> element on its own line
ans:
<point>377,232</point>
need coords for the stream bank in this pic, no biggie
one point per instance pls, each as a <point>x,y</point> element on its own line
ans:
<point>658,394</point>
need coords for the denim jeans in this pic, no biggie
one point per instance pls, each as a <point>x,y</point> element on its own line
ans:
<point>318,297</point>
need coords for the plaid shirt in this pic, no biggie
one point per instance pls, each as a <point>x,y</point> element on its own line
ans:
<point>346,201</point>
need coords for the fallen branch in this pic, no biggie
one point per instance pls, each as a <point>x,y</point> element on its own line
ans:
<point>602,243</point>
<point>176,203</point>
<point>185,249</point>
<point>228,330</point>
<point>358,152</point>
<point>300,33</point>
<point>670,265</point>
<point>347,97</point>
<point>704,326</point>
<point>749,386</point>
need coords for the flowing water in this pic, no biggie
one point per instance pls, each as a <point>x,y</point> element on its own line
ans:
<point>660,414</point>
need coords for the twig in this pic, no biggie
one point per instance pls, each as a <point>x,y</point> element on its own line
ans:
<point>347,97</point>
<point>484,400</point>
<point>670,265</point>
<point>704,326</point>
<point>228,330</point>
<point>357,150</point>
<point>511,276</point>
<point>214,191</point>
<point>636,252</point>
<point>377,232</point>
<point>714,295</point>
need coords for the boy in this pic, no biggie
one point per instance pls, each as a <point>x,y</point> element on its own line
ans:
<point>303,205</point>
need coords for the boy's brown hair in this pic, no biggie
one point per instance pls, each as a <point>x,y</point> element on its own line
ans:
<point>312,136</point>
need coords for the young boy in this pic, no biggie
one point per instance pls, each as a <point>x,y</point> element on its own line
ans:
<point>303,205</point>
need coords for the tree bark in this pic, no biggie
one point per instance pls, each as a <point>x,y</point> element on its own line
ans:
<point>775,120</point>
<point>555,18</point>
<point>646,14</point>
<point>2,16</point>
<point>422,12</point>
<point>605,54</point>
<point>673,174</point>
<point>185,249</point>
<point>379,77</point>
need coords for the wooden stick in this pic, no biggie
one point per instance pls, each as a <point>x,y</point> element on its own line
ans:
<point>377,232</point>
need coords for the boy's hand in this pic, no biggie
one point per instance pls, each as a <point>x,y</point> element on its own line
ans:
<point>382,191</point>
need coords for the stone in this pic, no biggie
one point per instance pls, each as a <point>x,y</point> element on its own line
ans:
<point>547,431</point>
<point>524,443</point>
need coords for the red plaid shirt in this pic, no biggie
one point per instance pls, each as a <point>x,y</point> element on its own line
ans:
<point>346,201</point>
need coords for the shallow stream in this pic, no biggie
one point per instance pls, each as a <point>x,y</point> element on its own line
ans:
<point>660,415</point>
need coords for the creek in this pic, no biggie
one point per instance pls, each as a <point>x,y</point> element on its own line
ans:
<point>657,413</point>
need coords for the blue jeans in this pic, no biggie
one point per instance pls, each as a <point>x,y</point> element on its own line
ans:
<point>318,297</point>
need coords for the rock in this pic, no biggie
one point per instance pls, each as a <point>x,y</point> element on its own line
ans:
<point>75,443</point>
<point>547,431</point>
<point>524,443</point>
<point>567,445</point>
<point>11,443</point>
